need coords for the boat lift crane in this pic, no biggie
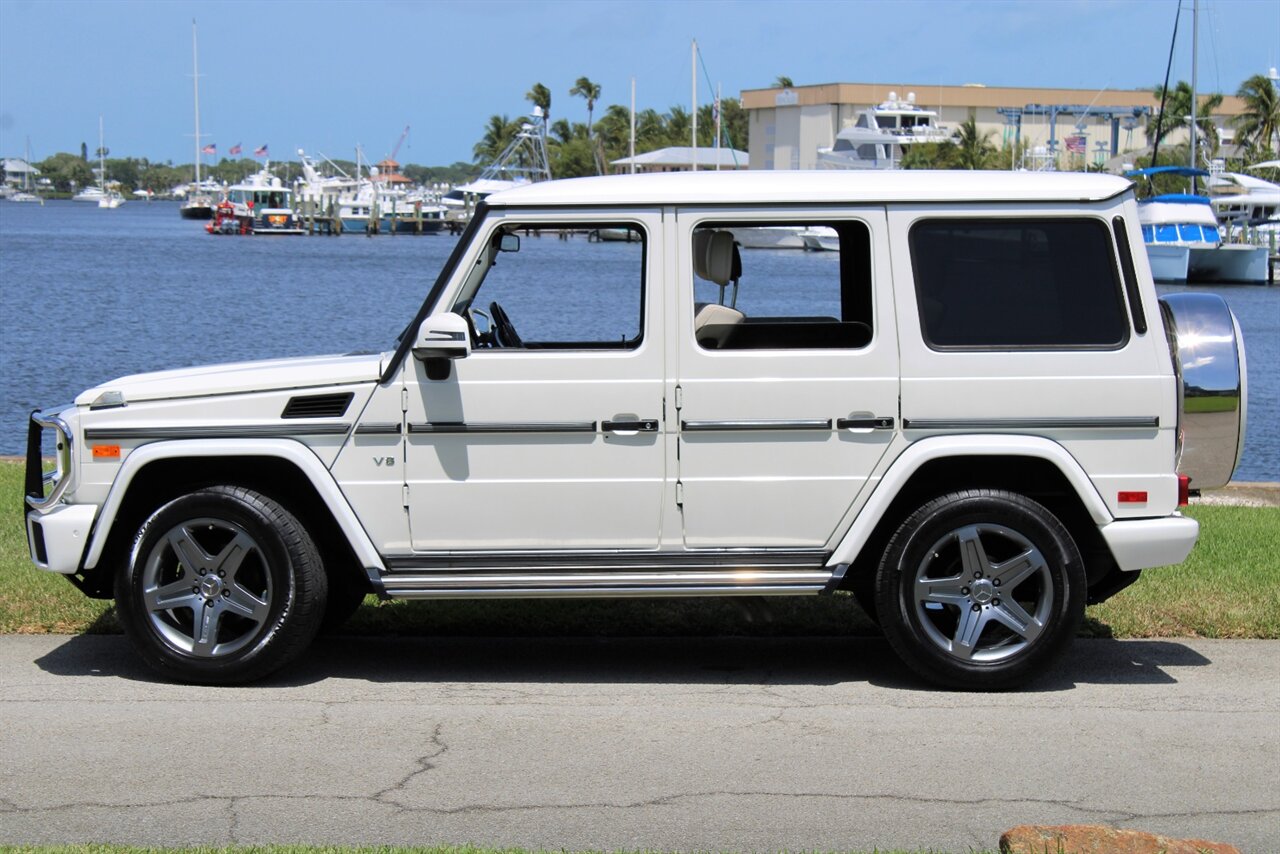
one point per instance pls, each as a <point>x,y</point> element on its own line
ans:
<point>1114,115</point>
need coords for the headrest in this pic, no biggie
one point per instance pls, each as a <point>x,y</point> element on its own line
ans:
<point>713,253</point>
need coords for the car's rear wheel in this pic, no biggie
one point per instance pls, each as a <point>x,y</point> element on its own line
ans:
<point>979,590</point>
<point>222,585</point>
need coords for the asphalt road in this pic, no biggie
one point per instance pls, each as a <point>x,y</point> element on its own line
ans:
<point>716,745</point>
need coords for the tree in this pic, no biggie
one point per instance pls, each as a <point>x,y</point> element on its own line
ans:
<point>540,96</point>
<point>782,82</point>
<point>1177,113</point>
<point>1259,124</point>
<point>591,92</point>
<point>973,149</point>
<point>65,170</point>
<point>498,133</point>
<point>733,124</point>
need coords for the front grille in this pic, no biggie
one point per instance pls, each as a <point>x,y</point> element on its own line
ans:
<point>318,406</point>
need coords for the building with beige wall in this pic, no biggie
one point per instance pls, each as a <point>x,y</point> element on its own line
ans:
<point>788,126</point>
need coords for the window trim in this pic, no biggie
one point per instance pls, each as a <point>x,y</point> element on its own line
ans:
<point>517,224</point>
<point>729,220</point>
<point>1107,239</point>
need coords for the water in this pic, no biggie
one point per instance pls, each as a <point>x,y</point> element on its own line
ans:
<point>88,295</point>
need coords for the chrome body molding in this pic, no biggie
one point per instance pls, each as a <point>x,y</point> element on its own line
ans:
<point>608,574</point>
<point>219,431</point>
<point>505,427</point>
<point>391,428</point>
<point>743,426</point>
<point>1148,422</point>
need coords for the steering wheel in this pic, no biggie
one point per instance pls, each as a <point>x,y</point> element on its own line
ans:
<point>504,333</point>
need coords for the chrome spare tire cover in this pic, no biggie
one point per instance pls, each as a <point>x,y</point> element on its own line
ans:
<point>1208,353</point>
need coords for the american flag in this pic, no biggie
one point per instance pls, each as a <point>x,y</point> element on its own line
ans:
<point>235,149</point>
<point>1077,144</point>
<point>211,148</point>
<point>260,151</point>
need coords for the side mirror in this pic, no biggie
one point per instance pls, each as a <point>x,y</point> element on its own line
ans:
<point>509,243</point>
<point>442,336</point>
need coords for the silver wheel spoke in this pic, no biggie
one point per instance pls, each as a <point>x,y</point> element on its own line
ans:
<point>973,557</point>
<point>245,604</point>
<point>205,630</point>
<point>945,591</point>
<point>175,595</point>
<point>187,550</point>
<point>1018,569</point>
<point>233,554</point>
<point>968,630</point>
<point>1013,617</point>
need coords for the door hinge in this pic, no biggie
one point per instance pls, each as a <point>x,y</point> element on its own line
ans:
<point>679,398</point>
<point>679,494</point>
<point>404,400</point>
<point>405,493</point>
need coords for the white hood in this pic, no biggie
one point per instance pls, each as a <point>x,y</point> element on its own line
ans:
<point>242,377</point>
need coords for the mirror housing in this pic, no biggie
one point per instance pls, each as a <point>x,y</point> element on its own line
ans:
<point>443,336</point>
<point>509,243</point>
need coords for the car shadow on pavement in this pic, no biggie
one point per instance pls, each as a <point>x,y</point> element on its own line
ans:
<point>666,660</point>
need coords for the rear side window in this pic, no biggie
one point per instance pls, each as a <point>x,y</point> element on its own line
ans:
<point>1017,283</point>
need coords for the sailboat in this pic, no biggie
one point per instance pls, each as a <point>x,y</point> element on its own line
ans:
<point>110,199</point>
<point>25,194</point>
<point>199,203</point>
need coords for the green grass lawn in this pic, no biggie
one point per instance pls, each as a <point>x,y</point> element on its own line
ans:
<point>1229,588</point>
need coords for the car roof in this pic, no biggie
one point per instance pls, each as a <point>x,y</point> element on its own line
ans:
<point>814,186</point>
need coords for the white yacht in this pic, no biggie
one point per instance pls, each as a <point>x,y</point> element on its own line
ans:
<point>89,194</point>
<point>877,139</point>
<point>1248,207</point>
<point>261,204</point>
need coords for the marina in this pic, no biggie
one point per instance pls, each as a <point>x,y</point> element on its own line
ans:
<point>171,297</point>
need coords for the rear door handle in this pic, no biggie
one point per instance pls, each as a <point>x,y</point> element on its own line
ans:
<point>643,425</point>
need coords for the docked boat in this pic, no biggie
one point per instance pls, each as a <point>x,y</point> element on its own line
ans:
<point>1248,207</point>
<point>769,237</point>
<point>259,205</point>
<point>89,194</point>
<point>201,195</point>
<point>1183,240</point>
<point>523,161</point>
<point>879,137</point>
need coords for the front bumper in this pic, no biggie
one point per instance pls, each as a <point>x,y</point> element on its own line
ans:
<point>57,539</point>
<point>57,533</point>
<point>1146,543</point>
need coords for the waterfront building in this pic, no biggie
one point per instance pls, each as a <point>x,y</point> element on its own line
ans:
<point>788,126</point>
<point>681,158</point>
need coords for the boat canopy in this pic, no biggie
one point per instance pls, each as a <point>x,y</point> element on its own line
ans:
<point>1184,171</point>
<point>1180,199</point>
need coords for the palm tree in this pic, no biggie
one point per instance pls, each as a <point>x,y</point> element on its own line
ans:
<point>1259,124</point>
<point>1177,111</point>
<point>975,149</point>
<point>541,97</point>
<point>498,132</point>
<point>591,91</point>
<point>782,82</point>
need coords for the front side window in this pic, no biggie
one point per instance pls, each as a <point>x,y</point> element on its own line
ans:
<point>1017,283</point>
<point>561,287</point>
<point>784,285</point>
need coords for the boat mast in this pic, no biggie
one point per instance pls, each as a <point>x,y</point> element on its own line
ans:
<point>1195,112</point>
<point>632,145</point>
<point>102,159</point>
<point>693,73</point>
<point>195,79</point>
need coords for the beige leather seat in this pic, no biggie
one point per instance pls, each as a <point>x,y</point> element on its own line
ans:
<point>713,253</point>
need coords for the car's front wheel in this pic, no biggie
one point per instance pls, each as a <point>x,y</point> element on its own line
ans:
<point>222,585</point>
<point>980,589</point>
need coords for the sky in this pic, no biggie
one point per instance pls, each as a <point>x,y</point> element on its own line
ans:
<point>330,74</point>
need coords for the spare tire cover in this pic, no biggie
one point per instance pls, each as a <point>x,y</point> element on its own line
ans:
<point>1209,356</point>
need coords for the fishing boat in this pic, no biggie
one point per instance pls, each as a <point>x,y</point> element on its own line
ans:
<point>259,205</point>
<point>523,161</point>
<point>880,135</point>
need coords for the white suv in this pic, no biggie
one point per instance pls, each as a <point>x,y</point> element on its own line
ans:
<point>972,416</point>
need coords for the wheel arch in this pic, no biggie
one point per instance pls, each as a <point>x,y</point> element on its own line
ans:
<point>285,470</point>
<point>1036,467</point>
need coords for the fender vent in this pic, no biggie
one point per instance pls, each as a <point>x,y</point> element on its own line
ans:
<point>318,406</point>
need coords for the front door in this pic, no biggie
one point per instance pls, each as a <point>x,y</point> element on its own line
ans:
<point>547,436</point>
<point>787,381</point>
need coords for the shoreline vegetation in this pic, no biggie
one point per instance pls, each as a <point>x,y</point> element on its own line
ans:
<point>1228,588</point>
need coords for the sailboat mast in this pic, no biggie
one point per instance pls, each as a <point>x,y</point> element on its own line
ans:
<point>195,79</point>
<point>102,158</point>
<point>1195,112</point>
<point>632,145</point>
<point>693,69</point>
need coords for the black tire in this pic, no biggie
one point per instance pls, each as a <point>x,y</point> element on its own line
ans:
<point>221,586</point>
<point>979,590</point>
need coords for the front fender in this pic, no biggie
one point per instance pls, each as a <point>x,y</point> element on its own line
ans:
<point>296,453</point>
<point>925,451</point>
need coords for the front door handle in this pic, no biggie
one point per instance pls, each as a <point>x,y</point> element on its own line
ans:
<point>642,425</point>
